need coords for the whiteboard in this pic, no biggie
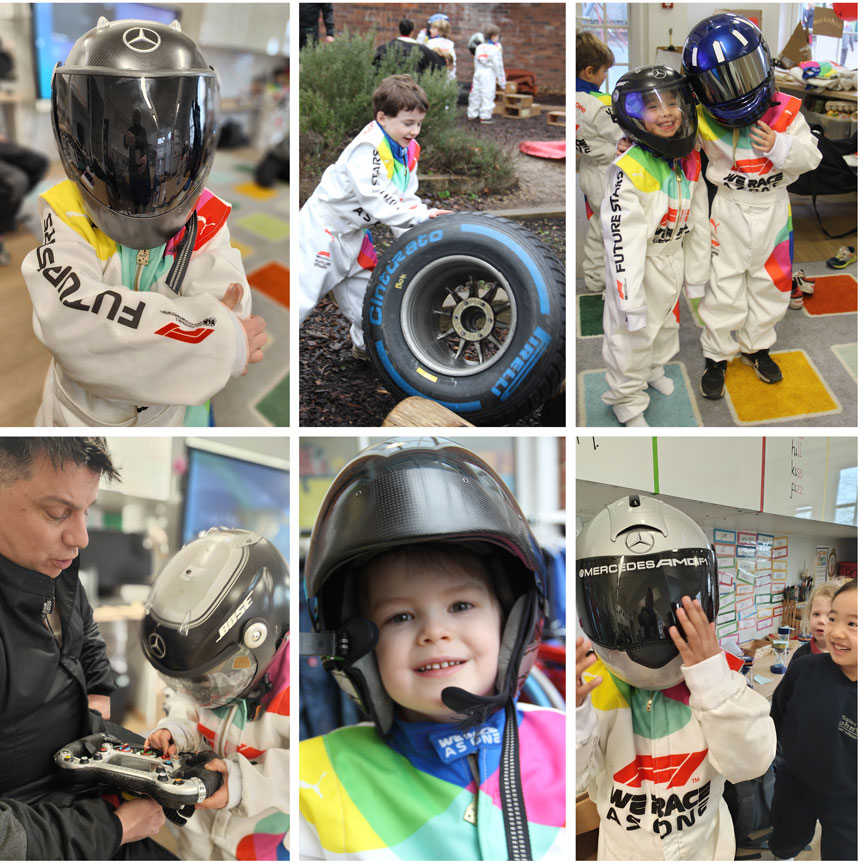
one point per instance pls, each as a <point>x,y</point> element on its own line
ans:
<point>715,470</point>
<point>144,464</point>
<point>812,477</point>
<point>626,461</point>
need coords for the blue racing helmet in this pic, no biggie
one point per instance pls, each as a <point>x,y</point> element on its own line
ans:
<point>728,65</point>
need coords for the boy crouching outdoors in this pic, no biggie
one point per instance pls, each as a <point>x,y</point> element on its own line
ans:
<point>374,180</point>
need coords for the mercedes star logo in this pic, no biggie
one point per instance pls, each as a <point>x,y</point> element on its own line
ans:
<point>639,542</point>
<point>141,39</point>
<point>157,646</point>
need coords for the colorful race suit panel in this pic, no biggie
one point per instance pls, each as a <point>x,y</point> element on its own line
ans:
<point>489,70</point>
<point>367,184</point>
<point>655,762</point>
<point>751,230</point>
<point>126,357</point>
<point>255,823</point>
<point>655,230</point>
<point>363,797</point>
<point>596,138</point>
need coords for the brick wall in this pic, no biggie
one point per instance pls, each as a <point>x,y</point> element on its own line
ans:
<point>532,33</point>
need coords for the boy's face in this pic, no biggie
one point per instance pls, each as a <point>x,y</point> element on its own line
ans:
<point>841,632</point>
<point>596,77</point>
<point>662,115</point>
<point>429,617</point>
<point>818,619</point>
<point>404,127</point>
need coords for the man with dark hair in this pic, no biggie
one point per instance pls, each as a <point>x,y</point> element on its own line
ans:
<point>55,678</point>
<point>404,44</point>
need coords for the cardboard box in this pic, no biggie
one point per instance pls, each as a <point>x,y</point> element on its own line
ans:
<point>825,22</point>
<point>750,647</point>
<point>797,48</point>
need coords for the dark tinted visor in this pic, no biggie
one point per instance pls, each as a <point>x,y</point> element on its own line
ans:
<point>628,602</point>
<point>140,145</point>
<point>730,81</point>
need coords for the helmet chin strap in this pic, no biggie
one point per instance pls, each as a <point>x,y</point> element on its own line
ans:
<point>476,709</point>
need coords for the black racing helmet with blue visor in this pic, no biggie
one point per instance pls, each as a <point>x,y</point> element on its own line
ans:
<point>655,107</point>
<point>636,560</point>
<point>729,67</point>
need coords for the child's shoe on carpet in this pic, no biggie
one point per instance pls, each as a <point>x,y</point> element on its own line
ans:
<point>713,385</point>
<point>766,369</point>
<point>796,301</point>
<point>846,256</point>
<point>799,280</point>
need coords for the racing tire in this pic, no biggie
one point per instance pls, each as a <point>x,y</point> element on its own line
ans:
<point>468,310</point>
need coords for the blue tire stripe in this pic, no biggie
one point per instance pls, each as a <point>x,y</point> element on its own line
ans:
<point>521,375</point>
<point>521,254</point>
<point>465,407</point>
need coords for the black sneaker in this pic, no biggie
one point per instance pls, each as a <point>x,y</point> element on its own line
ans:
<point>713,384</point>
<point>766,369</point>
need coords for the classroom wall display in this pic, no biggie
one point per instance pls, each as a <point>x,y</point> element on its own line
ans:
<point>751,575</point>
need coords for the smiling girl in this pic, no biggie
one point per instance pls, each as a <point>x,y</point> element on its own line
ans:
<point>815,618</point>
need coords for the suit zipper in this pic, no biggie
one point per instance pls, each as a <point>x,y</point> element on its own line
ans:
<point>678,214</point>
<point>648,705</point>
<point>142,261</point>
<point>471,813</point>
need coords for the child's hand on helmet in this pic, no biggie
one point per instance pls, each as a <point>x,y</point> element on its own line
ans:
<point>701,640</point>
<point>582,663</point>
<point>762,137</point>
<point>161,740</point>
<point>253,326</point>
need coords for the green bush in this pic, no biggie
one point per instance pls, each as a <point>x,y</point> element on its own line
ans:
<point>336,87</point>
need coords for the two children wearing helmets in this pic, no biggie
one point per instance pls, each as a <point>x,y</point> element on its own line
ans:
<point>426,589</point>
<point>216,629</point>
<point>136,289</point>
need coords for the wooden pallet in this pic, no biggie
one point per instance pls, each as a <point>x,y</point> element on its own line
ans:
<point>520,113</point>
<point>555,118</point>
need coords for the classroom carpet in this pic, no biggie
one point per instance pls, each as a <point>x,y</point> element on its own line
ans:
<point>816,348</point>
<point>260,229</point>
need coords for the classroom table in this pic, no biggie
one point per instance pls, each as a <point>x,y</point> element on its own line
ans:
<point>762,665</point>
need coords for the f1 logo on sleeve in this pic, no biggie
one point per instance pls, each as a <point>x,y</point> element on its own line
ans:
<point>192,337</point>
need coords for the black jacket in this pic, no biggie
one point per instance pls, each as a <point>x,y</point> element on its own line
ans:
<point>814,709</point>
<point>428,58</point>
<point>43,706</point>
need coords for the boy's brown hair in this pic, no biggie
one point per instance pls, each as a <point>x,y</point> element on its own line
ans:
<point>491,30</point>
<point>443,28</point>
<point>590,51</point>
<point>398,93</point>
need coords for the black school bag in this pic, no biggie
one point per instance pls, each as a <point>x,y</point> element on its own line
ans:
<point>832,176</point>
<point>749,804</point>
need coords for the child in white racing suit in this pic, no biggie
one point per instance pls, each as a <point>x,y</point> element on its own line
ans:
<point>663,718</point>
<point>489,71</point>
<point>596,137</point>
<point>655,230</point>
<point>757,144</point>
<point>136,289</point>
<point>375,179</point>
<point>228,673</point>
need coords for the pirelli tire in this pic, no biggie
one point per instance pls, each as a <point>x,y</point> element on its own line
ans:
<point>469,310</point>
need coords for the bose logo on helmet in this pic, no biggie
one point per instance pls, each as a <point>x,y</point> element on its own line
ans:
<point>231,620</point>
<point>626,566</point>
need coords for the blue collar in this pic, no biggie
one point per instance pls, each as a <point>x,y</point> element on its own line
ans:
<point>583,86</point>
<point>399,152</point>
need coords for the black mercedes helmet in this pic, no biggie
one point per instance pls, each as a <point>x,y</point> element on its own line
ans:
<point>405,492</point>
<point>661,98</point>
<point>135,114</point>
<point>216,615</point>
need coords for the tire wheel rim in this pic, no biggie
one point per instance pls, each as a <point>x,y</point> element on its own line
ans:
<point>458,315</point>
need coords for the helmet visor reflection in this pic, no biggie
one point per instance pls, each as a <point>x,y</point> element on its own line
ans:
<point>139,145</point>
<point>628,602</point>
<point>732,80</point>
<point>226,682</point>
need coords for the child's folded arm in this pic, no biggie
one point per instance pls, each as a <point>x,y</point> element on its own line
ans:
<point>735,720</point>
<point>375,196</point>
<point>625,237</point>
<point>796,150</point>
<point>140,347</point>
